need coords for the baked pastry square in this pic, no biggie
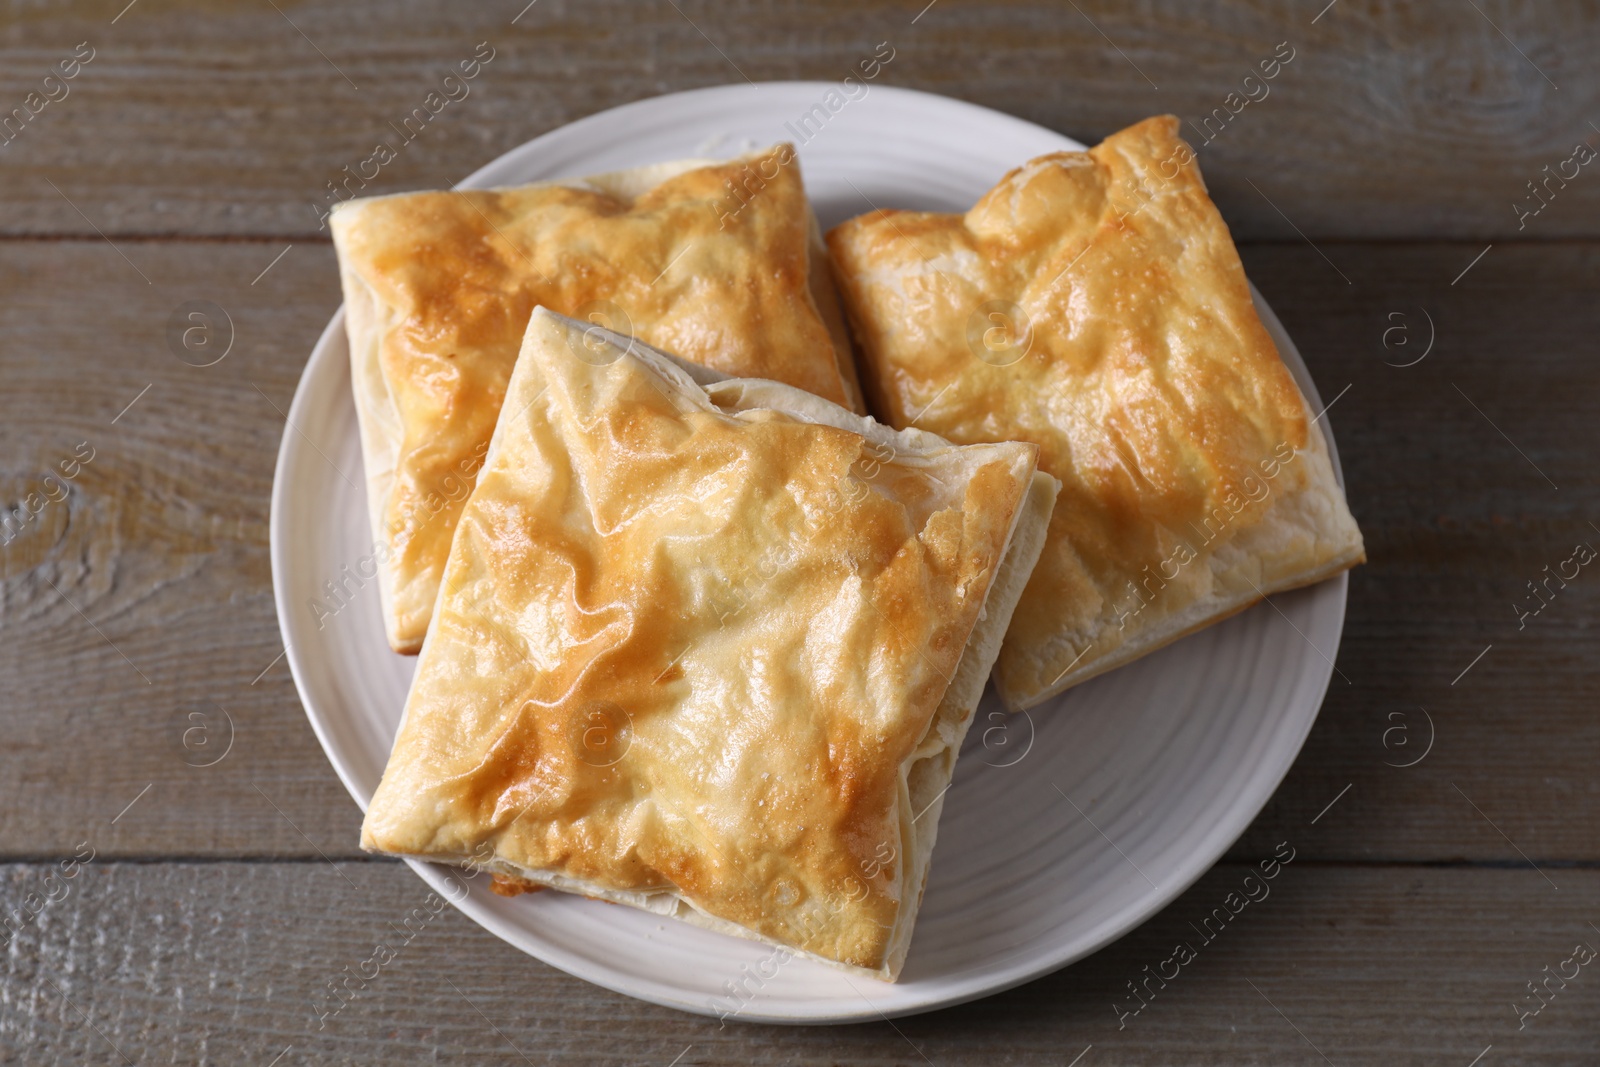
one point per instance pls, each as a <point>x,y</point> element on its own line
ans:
<point>721,263</point>
<point>1093,303</point>
<point>708,650</point>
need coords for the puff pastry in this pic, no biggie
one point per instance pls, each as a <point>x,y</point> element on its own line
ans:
<point>721,263</point>
<point>708,647</point>
<point>1093,303</point>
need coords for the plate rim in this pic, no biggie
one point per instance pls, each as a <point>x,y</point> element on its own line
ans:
<point>1194,865</point>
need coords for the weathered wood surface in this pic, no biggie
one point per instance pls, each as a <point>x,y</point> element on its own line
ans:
<point>228,117</point>
<point>162,545</point>
<point>1470,472</point>
<point>198,139</point>
<point>223,963</point>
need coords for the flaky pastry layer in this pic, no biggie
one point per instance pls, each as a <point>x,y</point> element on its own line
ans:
<point>708,647</point>
<point>1093,304</point>
<point>721,263</point>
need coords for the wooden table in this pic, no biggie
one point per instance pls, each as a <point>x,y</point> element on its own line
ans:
<point>1375,192</point>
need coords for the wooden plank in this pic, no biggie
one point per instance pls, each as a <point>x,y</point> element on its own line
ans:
<point>220,963</point>
<point>1450,465</point>
<point>162,547</point>
<point>144,598</point>
<point>1388,120</point>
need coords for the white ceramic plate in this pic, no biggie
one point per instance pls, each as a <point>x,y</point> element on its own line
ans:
<point>1170,758</point>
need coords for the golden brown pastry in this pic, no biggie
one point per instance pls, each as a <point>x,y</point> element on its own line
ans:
<point>708,650</point>
<point>1093,304</point>
<point>721,263</point>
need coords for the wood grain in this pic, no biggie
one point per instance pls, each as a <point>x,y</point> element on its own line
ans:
<point>144,597</point>
<point>226,963</point>
<point>162,547</point>
<point>1445,806</point>
<point>1452,467</point>
<point>229,118</point>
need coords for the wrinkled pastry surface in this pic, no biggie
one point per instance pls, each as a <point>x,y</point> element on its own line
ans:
<point>713,264</point>
<point>692,651</point>
<point>1149,384</point>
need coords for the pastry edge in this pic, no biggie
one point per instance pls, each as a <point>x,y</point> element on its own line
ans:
<point>1342,530</point>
